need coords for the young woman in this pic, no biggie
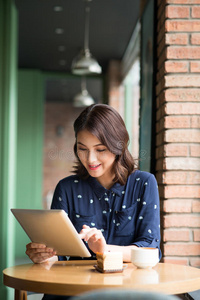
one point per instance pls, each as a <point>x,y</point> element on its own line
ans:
<point>113,206</point>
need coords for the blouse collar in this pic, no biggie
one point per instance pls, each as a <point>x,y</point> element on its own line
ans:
<point>99,190</point>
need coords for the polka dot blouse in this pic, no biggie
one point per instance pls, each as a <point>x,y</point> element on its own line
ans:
<point>126,215</point>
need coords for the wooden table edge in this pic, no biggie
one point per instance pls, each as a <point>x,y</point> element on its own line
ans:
<point>74,289</point>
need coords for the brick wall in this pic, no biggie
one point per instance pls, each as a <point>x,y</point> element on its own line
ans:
<point>114,86</point>
<point>58,157</point>
<point>178,128</point>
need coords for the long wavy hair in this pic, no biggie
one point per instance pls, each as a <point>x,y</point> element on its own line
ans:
<point>107,125</point>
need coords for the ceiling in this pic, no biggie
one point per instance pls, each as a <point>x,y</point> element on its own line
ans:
<point>111,26</point>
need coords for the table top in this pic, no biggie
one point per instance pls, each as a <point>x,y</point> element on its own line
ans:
<point>75,277</point>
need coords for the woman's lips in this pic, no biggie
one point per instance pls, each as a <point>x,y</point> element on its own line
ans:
<point>94,167</point>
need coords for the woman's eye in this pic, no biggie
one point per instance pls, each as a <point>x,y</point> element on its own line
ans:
<point>82,149</point>
<point>101,150</point>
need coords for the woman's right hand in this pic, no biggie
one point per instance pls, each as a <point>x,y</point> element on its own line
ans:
<point>39,253</point>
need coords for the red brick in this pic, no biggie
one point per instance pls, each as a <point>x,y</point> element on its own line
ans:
<point>177,206</point>
<point>182,163</point>
<point>195,12</point>
<point>187,52</point>
<point>196,233</point>
<point>195,262</point>
<point>179,191</point>
<point>186,25</point>
<point>176,66</point>
<point>182,81</point>
<point>180,177</point>
<point>176,38</point>
<point>182,108</point>
<point>175,150</point>
<point>180,235</point>
<point>178,163</point>
<point>181,94</point>
<point>176,260</point>
<point>181,220</point>
<point>177,12</point>
<point>182,136</point>
<point>195,39</point>
<point>180,249</point>
<point>196,206</point>
<point>195,150</point>
<point>195,122</point>
<point>195,66</point>
<point>58,159</point>
<point>177,121</point>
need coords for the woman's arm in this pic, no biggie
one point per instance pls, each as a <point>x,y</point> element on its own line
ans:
<point>97,243</point>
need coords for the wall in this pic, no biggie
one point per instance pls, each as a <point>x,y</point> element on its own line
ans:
<point>178,128</point>
<point>29,148</point>
<point>58,145</point>
<point>8,132</point>
<point>115,92</point>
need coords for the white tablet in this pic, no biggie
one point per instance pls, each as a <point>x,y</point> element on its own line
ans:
<point>52,228</point>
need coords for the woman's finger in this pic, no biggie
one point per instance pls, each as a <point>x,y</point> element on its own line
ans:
<point>35,245</point>
<point>40,257</point>
<point>93,233</point>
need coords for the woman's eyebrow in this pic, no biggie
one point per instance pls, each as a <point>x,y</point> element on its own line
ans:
<point>86,146</point>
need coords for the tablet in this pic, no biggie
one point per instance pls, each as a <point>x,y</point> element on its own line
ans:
<point>52,228</point>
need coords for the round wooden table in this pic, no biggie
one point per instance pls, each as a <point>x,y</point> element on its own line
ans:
<point>75,277</point>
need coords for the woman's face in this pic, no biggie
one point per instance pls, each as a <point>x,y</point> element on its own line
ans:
<point>96,158</point>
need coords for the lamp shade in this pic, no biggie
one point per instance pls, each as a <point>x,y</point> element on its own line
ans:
<point>83,99</point>
<point>85,64</point>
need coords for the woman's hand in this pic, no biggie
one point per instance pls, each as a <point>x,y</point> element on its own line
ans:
<point>94,238</point>
<point>39,253</point>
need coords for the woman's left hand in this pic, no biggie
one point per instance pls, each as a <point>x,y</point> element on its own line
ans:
<point>94,238</point>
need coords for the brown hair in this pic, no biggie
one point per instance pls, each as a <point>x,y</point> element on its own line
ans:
<point>107,125</point>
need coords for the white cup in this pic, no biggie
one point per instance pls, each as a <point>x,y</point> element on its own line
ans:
<point>144,258</point>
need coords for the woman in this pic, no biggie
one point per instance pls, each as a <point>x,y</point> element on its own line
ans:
<point>113,206</point>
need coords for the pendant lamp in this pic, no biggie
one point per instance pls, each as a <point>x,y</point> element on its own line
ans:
<point>85,63</point>
<point>83,99</point>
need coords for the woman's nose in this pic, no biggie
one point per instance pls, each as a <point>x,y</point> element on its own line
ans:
<point>91,156</point>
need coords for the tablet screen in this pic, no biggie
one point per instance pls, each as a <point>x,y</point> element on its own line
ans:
<point>52,228</point>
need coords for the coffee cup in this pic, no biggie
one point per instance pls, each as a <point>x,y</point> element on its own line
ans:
<point>143,257</point>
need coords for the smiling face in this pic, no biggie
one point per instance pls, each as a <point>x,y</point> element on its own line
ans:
<point>96,158</point>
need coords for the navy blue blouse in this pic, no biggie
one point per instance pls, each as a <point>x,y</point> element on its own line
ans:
<point>126,215</point>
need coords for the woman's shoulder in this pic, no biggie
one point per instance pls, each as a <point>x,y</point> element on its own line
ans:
<point>142,176</point>
<point>68,180</point>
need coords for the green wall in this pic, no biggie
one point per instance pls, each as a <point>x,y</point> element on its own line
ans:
<point>29,147</point>
<point>8,125</point>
